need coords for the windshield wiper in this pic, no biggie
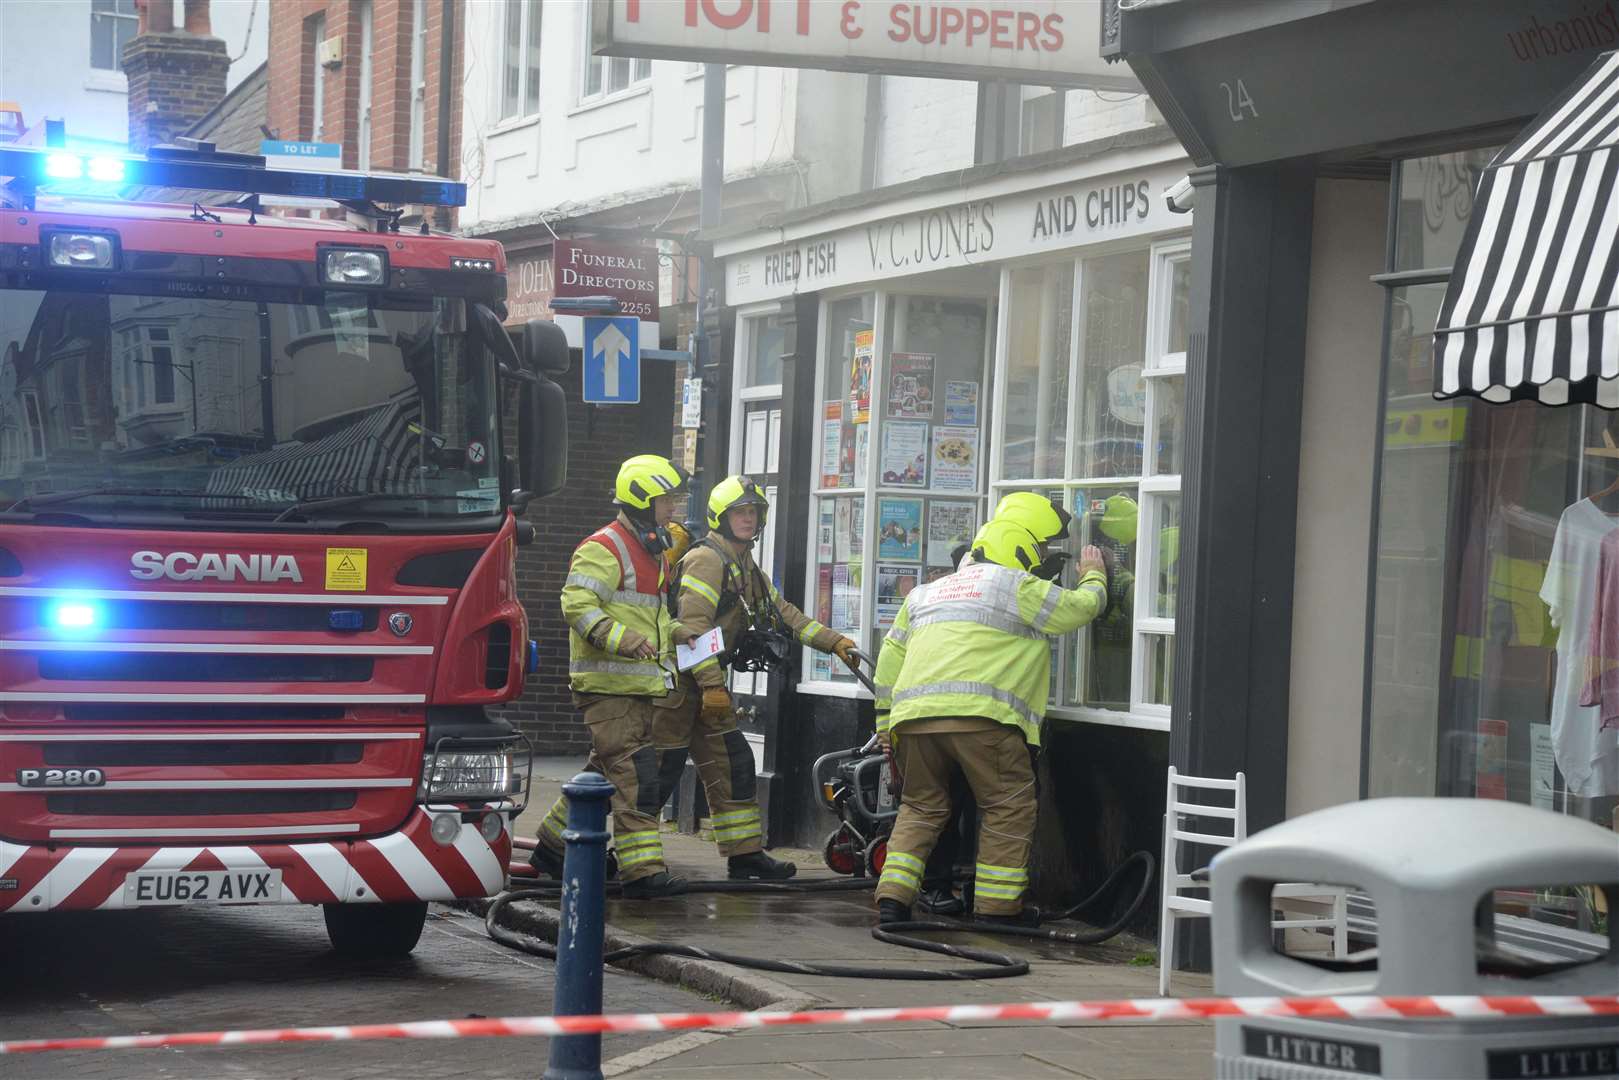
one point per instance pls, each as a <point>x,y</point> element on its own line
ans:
<point>31,502</point>
<point>339,501</point>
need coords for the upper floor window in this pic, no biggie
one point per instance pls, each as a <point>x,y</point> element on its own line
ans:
<point>316,31</point>
<point>418,83</point>
<point>520,72</point>
<point>112,23</point>
<point>606,75</point>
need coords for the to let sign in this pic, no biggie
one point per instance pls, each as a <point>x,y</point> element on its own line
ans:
<point>1045,42</point>
<point>588,267</point>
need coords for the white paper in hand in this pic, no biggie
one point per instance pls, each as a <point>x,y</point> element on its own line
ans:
<point>699,649</point>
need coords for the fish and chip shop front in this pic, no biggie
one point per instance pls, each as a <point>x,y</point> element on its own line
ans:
<point>902,360</point>
<point>1401,571</point>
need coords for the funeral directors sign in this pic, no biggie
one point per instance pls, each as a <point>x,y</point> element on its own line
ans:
<point>1041,42</point>
<point>965,232</point>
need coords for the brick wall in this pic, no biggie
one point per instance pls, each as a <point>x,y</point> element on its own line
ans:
<point>293,72</point>
<point>599,438</point>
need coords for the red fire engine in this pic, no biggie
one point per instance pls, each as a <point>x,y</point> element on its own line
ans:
<point>259,497</point>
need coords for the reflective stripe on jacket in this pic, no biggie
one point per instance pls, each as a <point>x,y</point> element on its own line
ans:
<point>614,585</point>
<point>977,643</point>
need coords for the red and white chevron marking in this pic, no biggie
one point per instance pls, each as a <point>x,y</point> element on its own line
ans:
<point>1322,1008</point>
<point>401,866</point>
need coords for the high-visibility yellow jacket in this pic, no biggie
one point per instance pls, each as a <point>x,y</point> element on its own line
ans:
<point>614,585</point>
<point>718,582</point>
<point>976,643</point>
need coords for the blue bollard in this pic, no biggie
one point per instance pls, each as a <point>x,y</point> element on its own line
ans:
<point>584,920</point>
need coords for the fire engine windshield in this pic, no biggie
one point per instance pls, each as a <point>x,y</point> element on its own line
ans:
<point>119,408</point>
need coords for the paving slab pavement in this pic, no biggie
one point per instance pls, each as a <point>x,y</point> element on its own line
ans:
<point>835,927</point>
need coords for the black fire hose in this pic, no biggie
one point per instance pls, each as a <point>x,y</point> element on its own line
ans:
<point>990,965</point>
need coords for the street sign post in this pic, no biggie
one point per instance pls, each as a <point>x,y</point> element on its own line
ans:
<point>612,355</point>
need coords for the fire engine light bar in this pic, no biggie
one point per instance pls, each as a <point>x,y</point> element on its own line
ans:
<point>74,615</point>
<point>41,167</point>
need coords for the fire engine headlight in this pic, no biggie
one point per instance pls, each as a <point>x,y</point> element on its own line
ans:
<point>470,775</point>
<point>340,266</point>
<point>81,251</point>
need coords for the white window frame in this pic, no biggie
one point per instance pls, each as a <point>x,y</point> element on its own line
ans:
<point>110,21</point>
<point>1151,489</point>
<point>317,101</point>
<point>640,72</point>
<point>367,17</point>
<point>417,154</point>
<point>140,369</point>
<point>520,112</point>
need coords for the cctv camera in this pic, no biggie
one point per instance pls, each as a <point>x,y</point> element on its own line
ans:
<point>1181,196</point>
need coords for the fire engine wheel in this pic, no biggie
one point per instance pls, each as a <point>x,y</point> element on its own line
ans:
<point>840,854</point>
<point>876,856</point>
<point>375,931</point>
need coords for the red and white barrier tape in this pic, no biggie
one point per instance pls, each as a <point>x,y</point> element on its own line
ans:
<point>1318,1008</point>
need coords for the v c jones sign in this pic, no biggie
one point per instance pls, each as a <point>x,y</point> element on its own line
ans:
<point>1049,42</point>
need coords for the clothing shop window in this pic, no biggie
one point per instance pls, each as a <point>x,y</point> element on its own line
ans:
<point>520,68</point>
<point>1092,398</point>
<point>112,24</point>
<point>1495,598</point>
<point>900,448</point>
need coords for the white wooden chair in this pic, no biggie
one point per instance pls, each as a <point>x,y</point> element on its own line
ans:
<point>1175,905</point>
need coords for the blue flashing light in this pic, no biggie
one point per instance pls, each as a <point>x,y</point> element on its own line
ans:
<point>346,619</point>
<point>74,615</point>
<point>228,173</point>
<point>60,166</point>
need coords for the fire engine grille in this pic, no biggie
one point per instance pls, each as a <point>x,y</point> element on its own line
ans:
<point>200,714</point>
<point>159,667</point>
<point>199,803</point>
<point>203,615</point>
<point>112,752</point>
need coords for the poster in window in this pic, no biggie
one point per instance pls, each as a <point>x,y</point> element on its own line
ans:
<point>860,377</point>
<point>857,528</point>
<point>824,532</point>
<point>961,402</point>
<point>823,594</point>
<point>955,458</point>
<point>842,529</point>
<point>1127,394</point>
<point>846,581</point>
<point>857,458</point>
<point>894,583</point>
<point>910,386</point>
<point>949,524</point>
<point>905,453</point>
<point>832,444</point>
<point>899,529</point>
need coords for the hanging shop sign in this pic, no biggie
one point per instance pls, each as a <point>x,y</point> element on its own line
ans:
<point>974,232</point>
<point>1042,42</point>
<point>589,267</point>
<point>530,285</point>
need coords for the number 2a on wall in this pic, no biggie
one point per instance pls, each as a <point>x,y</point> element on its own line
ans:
<point>1237,102</point>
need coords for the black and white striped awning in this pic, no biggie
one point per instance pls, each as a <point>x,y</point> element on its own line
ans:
<point>1532,308</point>
<point>377,452</point>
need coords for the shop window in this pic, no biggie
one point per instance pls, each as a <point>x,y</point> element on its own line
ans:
<point>1094,390</point>
<point>520,68</point>
<point>112,24</point>
<point>1497,538</point>
<point>901,445</point>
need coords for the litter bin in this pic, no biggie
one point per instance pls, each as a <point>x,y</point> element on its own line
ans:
<point>1431,872</point>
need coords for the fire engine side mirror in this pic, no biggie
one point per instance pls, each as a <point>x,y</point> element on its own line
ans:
<point>542,439</point>
<point>545,347</point>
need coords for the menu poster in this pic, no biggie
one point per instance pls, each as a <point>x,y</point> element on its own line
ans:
<point>860,377</point>
<point>910,386</point>
<point>961,402</point>
<point>824,531</point>
<point>949,524</point>
<point>831,444</point>
<point>899,529</point>
<point>955,458</point>
<point>894,584</point>
<point>905,453</point>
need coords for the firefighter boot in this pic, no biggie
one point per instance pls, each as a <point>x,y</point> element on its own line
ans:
<point>546,863</point>
<point>1029,917</point>
<point>654,886</point>
<point>892,911</point>
<point>757,866</point>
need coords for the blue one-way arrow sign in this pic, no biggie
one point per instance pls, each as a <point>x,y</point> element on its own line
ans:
<point>612,360</point>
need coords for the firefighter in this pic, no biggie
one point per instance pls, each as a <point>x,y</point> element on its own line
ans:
<point>719,584</point>
<point>962,683</point>
<point>621,641</point>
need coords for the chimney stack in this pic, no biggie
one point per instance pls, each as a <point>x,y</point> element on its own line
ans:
<point>175,76</point>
